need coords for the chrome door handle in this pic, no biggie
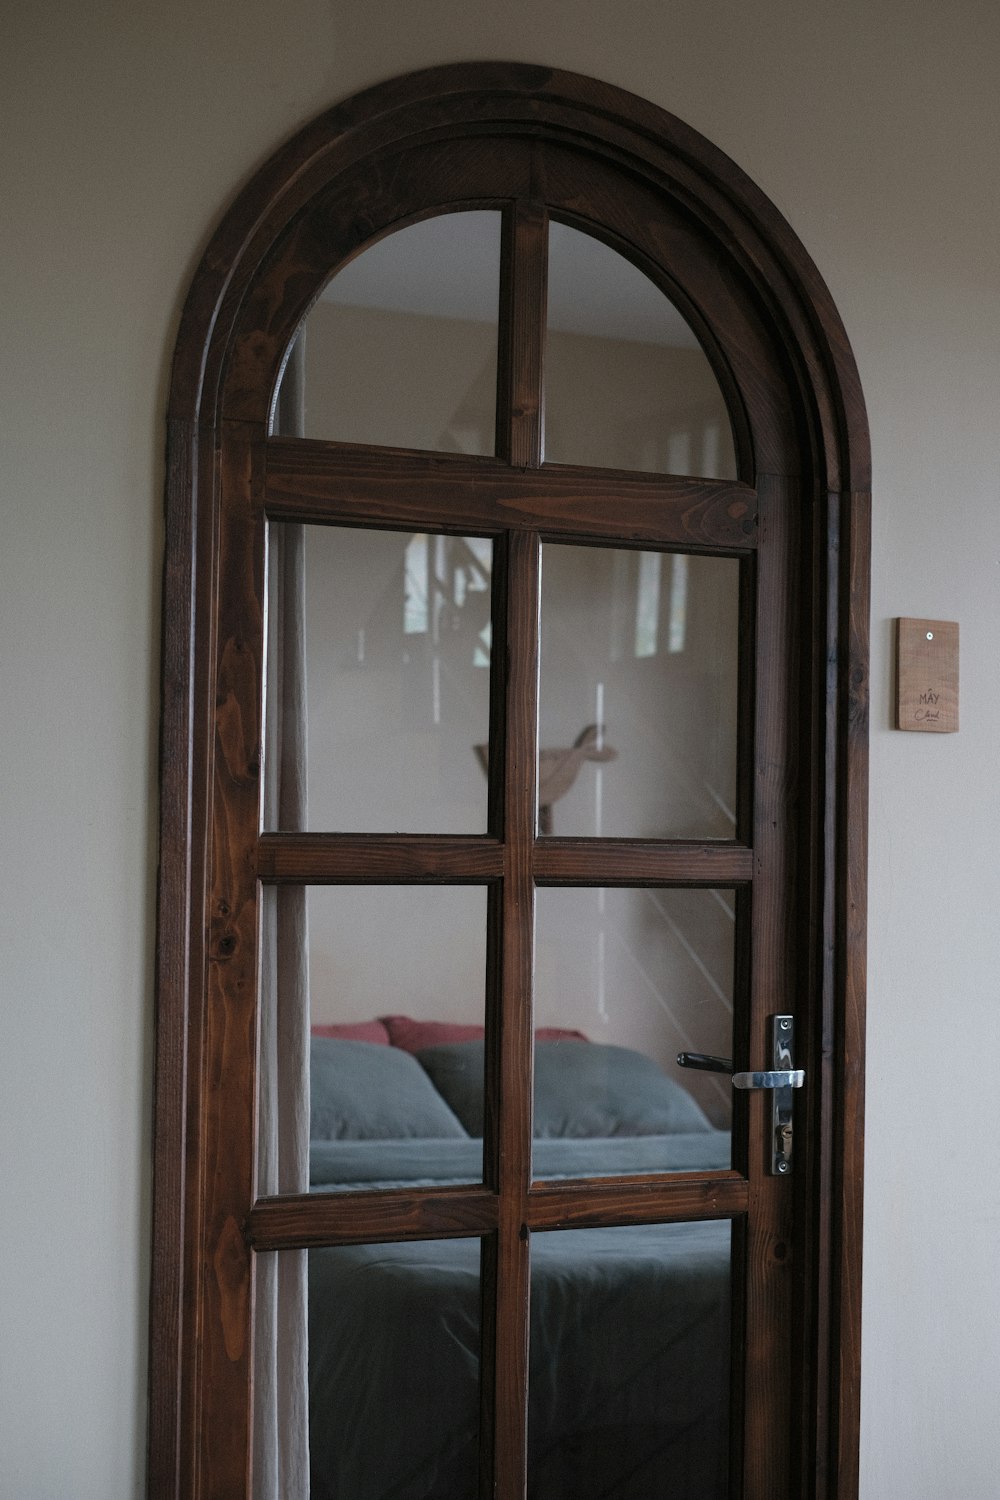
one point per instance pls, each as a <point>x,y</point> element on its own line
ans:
<point>781,1079</point>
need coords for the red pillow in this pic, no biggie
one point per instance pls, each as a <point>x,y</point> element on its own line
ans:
<point>413,1036</point>
<point>355,1031</point>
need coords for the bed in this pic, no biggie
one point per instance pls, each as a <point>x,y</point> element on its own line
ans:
<point>629,1326</point>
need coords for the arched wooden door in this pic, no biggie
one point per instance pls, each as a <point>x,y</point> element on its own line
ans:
<point>665,1301</point>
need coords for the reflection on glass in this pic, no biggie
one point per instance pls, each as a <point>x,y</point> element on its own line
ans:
<point>401,348</point>
<point>392,1351</point>
<point>627,385</point>
<point>359,985</point>
<point>640,974</point>
<point>378,680</point>
<point>638,694</point>
<point>628,1382</point>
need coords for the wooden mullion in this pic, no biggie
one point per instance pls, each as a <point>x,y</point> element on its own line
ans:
<point>522,335</point>
<point>377,859</point>
<point>347,485</point>
<point>513,1060</point>
<point>636,862</point>
<point>297,1221</point>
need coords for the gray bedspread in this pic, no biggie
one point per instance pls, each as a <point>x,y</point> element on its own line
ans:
<point>416,1162</point>
<point>629,1341</point>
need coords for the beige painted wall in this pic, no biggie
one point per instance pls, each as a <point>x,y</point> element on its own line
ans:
<point>873,126</point>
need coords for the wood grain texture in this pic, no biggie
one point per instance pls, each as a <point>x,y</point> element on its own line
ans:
<point>597,1201</point>
<point>602,121</point>
<point>848,1001</point>
<point>766,1298</point>
<point>514,1096</point>
<point>818,1030</point>
<point>231,925</point>
<point>339,484</point>
<point>373,859</point>
<point>927,676</point>
<point>522,331</point>
<point>635,862</point>
<point>595,158</point>
<point>293,1223</point>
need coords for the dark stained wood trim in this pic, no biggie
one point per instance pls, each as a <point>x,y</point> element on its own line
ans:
<point>231,925</point>
<point>340,484</point>
<point>386,859</point>
<point>522,324</point>
<point>596,1201</point>
<point>790,343</point>
<point>766,1298</point>
<point>814,1188</point>
<point>746,694</point>
<point>512,1103</point>
<point>293,1222</point>
<point>601,120</point>
<point>630,862</point>
<point>207,473</point>
<point>850,885</point>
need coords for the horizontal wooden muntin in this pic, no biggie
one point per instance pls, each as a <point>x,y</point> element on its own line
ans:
<point>398,489</point>
<point>374,858</point>
<point>636,862</point>
<point>391,859</point>
<point>294,1221</point>
<point>314,1220</point>
<point>595,1202</point>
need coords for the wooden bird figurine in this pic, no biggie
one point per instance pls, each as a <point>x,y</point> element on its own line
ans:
<point>558,769</point>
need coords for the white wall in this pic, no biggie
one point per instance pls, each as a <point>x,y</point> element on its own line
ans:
<point>873,125</point>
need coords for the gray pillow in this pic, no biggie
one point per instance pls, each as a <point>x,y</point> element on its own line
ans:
<point>456,1071</point>
<point>581,1089</point>
<point>361,1091</point>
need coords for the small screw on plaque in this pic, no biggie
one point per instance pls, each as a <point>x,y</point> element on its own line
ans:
<point>930,635</point>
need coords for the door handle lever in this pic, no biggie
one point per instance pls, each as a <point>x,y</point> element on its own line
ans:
<point>704,1062</point>
<point>780,1079</point>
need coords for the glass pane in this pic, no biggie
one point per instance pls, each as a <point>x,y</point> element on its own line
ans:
<point>356,981</point>
<point>378,681</point>
<point>401,348</point>
<point>638,694</point>
<point>627,384</point>
<point>640,975</point>
<point>390,1355</point>
<point>628,1383</point>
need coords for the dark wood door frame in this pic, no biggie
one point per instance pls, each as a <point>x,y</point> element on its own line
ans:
<point>785,340</point>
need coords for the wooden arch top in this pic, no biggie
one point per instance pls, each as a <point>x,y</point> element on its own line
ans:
<point>279,240</point>
<point>473,135</point>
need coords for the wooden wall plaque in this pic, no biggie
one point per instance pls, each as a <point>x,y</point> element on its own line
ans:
<point>927,676</point>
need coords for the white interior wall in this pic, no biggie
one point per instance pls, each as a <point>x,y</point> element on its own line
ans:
<point>873,127</point>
